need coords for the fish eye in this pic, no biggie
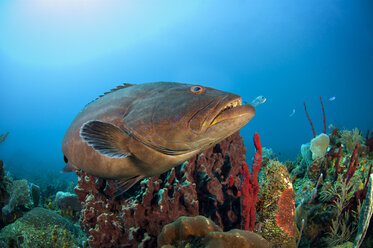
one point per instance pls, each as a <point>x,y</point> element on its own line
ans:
<point>197,89</point>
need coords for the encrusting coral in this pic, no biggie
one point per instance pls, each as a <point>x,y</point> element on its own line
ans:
<point>42,228</point>
<point>201,232</point>
<point>276,208</point>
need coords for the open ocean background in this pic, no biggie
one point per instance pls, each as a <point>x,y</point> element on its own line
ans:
<point>56,56</point>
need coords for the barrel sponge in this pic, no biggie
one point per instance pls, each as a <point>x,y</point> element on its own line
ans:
<point>319,145</point>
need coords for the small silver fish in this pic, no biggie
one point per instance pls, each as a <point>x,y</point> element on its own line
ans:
<point>332,98</point>
<point>292,113</point>
<point>258,100</point>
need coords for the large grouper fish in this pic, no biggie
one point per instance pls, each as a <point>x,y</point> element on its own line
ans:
<point>137,131</point>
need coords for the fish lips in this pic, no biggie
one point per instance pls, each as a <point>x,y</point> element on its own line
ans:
<point>228,110</point>
<point>239,114</point>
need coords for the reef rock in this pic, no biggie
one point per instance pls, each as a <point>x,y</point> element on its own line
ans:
<point>19,196</point>
<point>66,201</point>
<point>42,228</point>
<point>4,195</point>
<point>276,207</point>
<point>197,187</point>
<point>201,232</point>
<point>35,193</point>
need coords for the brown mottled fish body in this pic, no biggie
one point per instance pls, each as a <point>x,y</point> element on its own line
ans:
<point>143,130</point>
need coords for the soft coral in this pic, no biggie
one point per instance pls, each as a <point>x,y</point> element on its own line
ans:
<point>369,141</point>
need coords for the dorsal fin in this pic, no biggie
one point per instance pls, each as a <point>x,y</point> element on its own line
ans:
<point>117,88</point>
<point>112,90</point>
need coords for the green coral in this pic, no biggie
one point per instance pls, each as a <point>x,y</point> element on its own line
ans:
<point>343,226</point>
<point>42,228</point>
<point>350,138</point>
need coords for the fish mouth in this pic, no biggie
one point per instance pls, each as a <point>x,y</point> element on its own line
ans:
<point>232,109</point>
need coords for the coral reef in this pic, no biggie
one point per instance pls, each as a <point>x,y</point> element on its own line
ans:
<point>351,138</point>
<point>42,228</point>
<point>275,208</point>
<point>267,154</point>
<point>49,188</point>
<point>330,192</point>
<point>201,232</point>
<point>4,195</point>
<point>369,141</point>
<point>206,184</point>
<point>19,196</point>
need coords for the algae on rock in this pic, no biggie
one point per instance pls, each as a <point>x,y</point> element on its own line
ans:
<point>276,208</point>
<point>42,228</point>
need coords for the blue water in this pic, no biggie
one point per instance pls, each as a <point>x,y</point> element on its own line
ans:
<point>56,56</point>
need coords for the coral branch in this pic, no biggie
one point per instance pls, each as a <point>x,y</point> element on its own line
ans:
<point>257,158</point>
<point>352,166</point>
<point>250,188</point>
<point>323,115</point>
<point>365,215</point>
<point>337,163</point>
<point>369,141</point>
<point>309,119</point>
<point>365,189</point>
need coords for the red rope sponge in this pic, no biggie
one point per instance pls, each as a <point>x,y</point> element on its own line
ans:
<point>250,188</point>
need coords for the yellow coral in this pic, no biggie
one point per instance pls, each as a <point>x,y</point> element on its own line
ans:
<point>361,186</point>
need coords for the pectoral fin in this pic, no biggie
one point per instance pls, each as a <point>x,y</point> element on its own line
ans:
<point>105,138</point>
<point>125,184</point>
<point>69,168</point>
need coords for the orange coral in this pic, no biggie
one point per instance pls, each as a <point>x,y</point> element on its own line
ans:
<point>286,211</point>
